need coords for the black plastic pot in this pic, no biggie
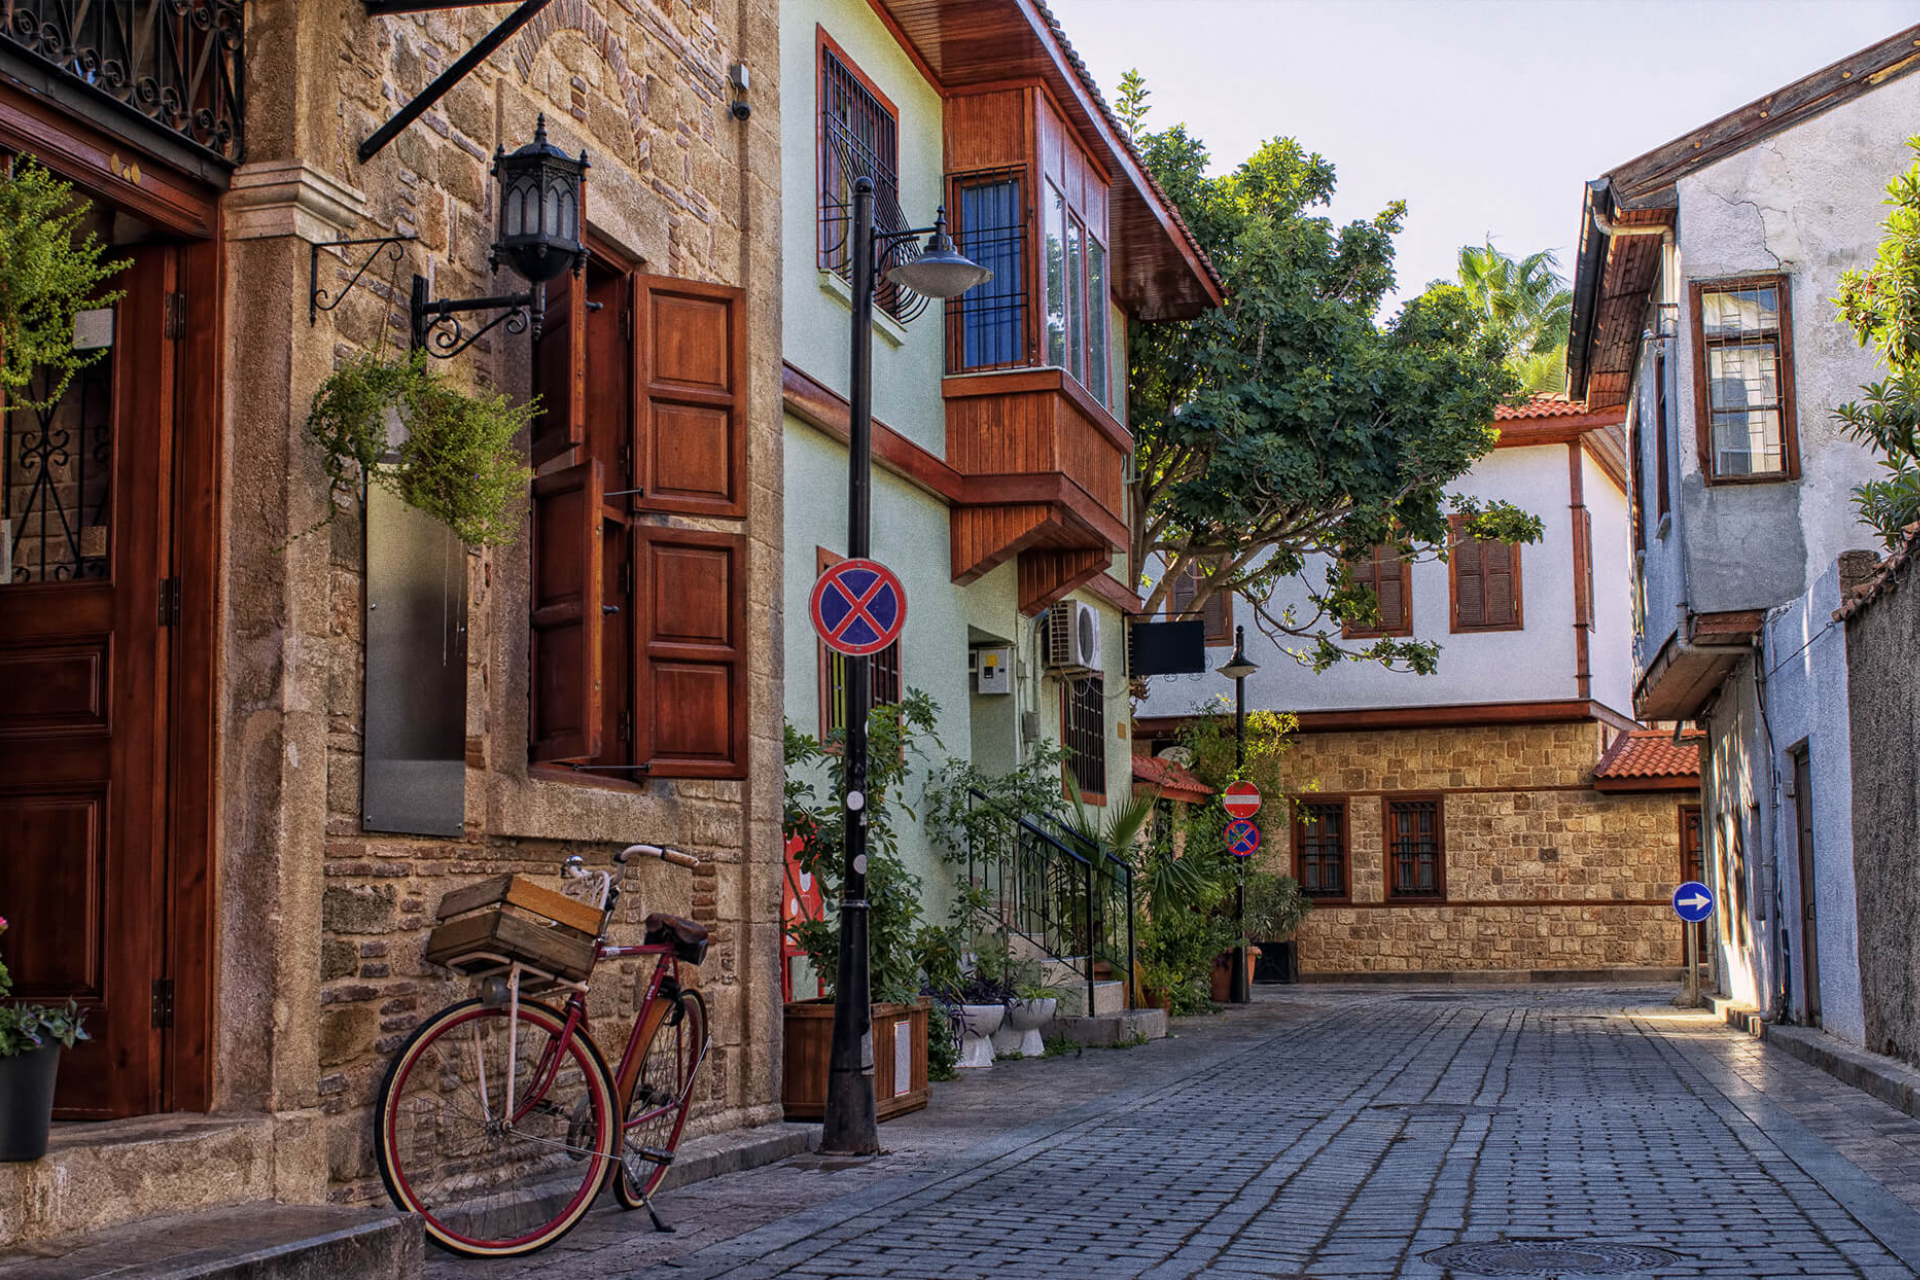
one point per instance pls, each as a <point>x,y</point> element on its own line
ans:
<point>1278,962</point>
<point>26,1102</point>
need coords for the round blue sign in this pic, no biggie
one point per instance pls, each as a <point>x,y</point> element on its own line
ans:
<point>1693,902</point>
<point>1242,838</point>
<point>859,607</point>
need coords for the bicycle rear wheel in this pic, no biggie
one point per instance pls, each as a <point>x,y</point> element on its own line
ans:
<point>485,1187</point>
<point>662,1095</point>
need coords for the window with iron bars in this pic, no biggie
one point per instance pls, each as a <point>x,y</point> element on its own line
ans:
<point>987,325</point>
<point>859,137</point>
<point>1083,723</point>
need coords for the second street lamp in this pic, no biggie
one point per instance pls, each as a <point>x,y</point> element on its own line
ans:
<point>1238,668</point>
<point>850,1126</point>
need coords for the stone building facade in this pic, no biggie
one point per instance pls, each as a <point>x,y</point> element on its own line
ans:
<point>1544,874</point>
<point>305,926</point>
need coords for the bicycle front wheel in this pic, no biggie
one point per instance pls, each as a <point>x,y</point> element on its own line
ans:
<point>495,1176</point>
<point>662,1094</point>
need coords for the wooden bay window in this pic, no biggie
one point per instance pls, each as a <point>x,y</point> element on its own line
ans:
<point>638,628</point>
<point>1743,380</point>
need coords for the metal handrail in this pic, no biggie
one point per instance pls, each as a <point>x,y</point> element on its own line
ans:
<point>1072,906</point>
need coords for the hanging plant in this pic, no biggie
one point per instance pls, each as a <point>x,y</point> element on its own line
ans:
<point>48,274</point>
<point>457,462</point>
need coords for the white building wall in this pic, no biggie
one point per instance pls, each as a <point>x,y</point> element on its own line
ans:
<point>1534,664</point>
<point>1610,643</point>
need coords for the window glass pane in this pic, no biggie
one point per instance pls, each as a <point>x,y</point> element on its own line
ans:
<point>1076,303</point>
<point>1743,394</point>
<point>1056,221</point>
<point>1097,322</point>
<point>993,315</point>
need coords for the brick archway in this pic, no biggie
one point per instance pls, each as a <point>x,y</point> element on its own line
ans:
<point>580,17</point>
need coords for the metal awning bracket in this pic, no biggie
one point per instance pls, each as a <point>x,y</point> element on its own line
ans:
<point>315,293</point>
<point>454,74</point>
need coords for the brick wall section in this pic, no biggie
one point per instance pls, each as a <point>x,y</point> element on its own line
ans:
<point>1542,872</point>
<point>686,191</point>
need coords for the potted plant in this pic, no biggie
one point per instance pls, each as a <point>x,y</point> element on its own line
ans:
<point>895,936</point>
<point>982,996</point>
<point>31,1037</point>
<point>1275,909</point>
<point>1028,1013</point>
<point>49,274</point>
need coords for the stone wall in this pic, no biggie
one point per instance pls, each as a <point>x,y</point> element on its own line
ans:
<point>1542,871</point>
<point>1883,699</point>
<point>322,923</point>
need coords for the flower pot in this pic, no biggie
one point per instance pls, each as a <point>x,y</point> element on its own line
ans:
<point>1220,981</point>
<point>1021,1031</point>
<point>26,1102</point>
<point>978,1022</point>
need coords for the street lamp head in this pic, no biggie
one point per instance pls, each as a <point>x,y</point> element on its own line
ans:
<point>1238,667</point>
<point>940,271</point>
<point>541,190</point>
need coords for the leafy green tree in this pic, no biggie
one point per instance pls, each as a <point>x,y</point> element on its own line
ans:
<point>1290,423</point>
<point>1528,301</point>
<point>1882,307</point>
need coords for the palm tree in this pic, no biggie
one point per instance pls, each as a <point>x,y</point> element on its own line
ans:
<point>1530,302</point>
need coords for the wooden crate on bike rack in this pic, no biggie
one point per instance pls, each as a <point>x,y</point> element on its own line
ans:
<point>514,917</point>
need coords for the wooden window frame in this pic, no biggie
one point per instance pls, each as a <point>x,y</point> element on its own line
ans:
<point>887,300</point>
<point>1351,631</point>
<point>1457,525</point>
<point>1177,610</point>
<point>1636,494</point>
<point>1662,449</point>
<point>1301,804</point>
<point>1074,776</point>
<point>1387,804</point>
<point>1703,412</point>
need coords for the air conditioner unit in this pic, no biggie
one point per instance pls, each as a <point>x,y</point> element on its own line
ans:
<point>1073,638</point>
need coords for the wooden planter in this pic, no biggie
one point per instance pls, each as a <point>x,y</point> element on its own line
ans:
<point>899,1058</point>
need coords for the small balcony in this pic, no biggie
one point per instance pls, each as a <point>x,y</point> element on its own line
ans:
<point>174,65</point>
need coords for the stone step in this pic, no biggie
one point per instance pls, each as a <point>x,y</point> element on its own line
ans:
<point>1126,1026</point>
<point>242,1242</point>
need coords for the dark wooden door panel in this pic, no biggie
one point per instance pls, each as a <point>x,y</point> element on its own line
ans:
<point>57,903</point>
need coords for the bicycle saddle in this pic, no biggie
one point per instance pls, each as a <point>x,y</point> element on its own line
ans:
<point>689,937</point>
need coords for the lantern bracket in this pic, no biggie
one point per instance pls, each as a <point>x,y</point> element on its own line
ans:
<point>315,293</point>
<point>453,75</point>
<point>437,329</point>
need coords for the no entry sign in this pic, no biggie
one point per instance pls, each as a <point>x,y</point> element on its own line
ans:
<point>1242,838</point>
<point>1242,799</point>
<point>858,607</point>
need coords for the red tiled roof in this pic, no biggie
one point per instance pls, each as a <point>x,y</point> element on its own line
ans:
<point>1884,577</point>
<point>1541,407</point>
<point>1174,781</point>
<point>1651,754</point>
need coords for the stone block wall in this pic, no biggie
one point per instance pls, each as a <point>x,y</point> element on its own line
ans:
<point>1542,871</point>
<point>321,922</point>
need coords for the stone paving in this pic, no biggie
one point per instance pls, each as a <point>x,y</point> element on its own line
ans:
<point>1331,1132</point>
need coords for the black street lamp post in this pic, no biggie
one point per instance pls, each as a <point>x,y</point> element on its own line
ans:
<point>1238,668</point>
<point>850,1126</point>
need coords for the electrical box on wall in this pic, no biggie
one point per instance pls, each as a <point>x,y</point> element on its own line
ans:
<point>994,671</point>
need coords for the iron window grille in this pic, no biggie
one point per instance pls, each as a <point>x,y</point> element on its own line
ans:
<point>987,325</point>
<point>1414,858</point>
<point>1320,838</point>
<point>859,137</point>
<point>1083,721</point>
<point>56,481</point>
<point>173,63</point>
<point>883,675</point>
<point>1746,357</point>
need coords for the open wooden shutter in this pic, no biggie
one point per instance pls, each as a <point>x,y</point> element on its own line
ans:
<point>1583,565</point>
<point>560,372</point>
<point>690,671</point>
<point>1469,580</point>
<point>565,720</point>
<point>1389,584</point>
<point>690,442</point>
<point>1501,573</point>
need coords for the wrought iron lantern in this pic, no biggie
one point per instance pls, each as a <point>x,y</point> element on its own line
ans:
<point>542,189</point>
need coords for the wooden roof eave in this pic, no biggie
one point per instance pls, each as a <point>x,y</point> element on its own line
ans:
<point>1159,273</point>
<point>1613,276</point>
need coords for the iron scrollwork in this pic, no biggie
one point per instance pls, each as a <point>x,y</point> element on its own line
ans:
<point>436,322</point>
<point>315,293</point>
<point>177,63</point>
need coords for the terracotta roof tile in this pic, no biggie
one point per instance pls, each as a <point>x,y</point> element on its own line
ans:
<point>1541,407</point>
<point>1652,753</point>
<point>1884,579</point>
<point>1173,779</point>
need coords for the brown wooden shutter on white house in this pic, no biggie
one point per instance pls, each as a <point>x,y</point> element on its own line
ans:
<point>1383,572</point>
<point>1486,583</point>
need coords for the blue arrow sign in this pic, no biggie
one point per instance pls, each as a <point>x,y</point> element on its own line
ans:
<point>1693,902</point>
<point>1242,838</point>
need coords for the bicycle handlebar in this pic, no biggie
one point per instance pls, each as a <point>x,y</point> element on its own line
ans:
<point>675,856</point>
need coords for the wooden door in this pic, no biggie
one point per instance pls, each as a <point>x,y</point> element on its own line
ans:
<point>83,732</point>
<point>1809,926</point>
<point>1693,866</point>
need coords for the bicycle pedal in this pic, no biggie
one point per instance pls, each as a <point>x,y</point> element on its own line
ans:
<point>654,1155</point>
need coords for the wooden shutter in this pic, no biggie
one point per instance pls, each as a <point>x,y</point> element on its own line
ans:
<point>560,373</point>
<point>565,719</point>
<point>1217,614</point>
<point>1386,575</point>
<point>1486,583</point>
<point>1503,583</point>
<point>690,670</point>
<point>1583,565</point>
<point>1181,593</point>
<point>690,443</point>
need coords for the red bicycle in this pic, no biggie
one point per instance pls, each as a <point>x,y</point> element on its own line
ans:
<point>499,1122</point>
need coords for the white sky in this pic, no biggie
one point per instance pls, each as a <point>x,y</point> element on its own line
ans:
<point>1484,115</point>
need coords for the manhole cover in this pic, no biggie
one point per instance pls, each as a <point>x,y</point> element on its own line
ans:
<point>1443,1108</point>
<point>1551,1258</point>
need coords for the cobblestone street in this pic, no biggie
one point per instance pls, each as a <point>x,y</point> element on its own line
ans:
<point>1334,1132</point>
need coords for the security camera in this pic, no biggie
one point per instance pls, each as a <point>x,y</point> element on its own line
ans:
<point>740,110</point>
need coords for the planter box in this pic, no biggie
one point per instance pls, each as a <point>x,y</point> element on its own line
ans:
<point>1220,981</point>
<point>899,1058</point>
